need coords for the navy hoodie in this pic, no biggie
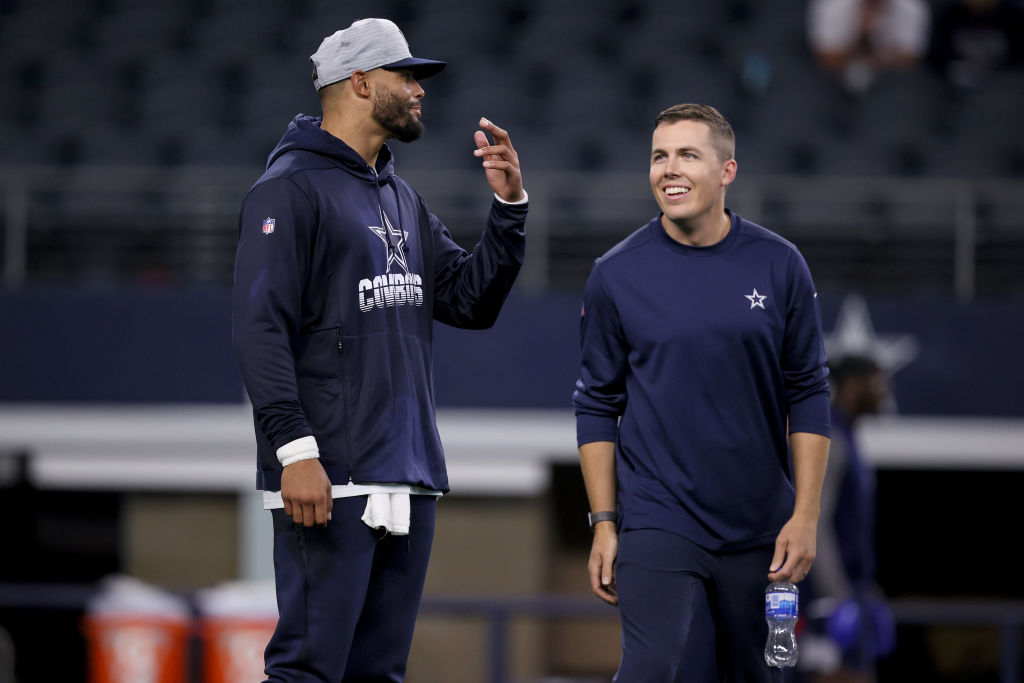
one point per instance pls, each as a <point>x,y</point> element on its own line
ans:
<point>339,274</point>
<point>695,362</point>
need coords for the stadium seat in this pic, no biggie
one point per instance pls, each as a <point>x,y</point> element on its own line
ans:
<point>138,31</point>
<point>146,72</point>
<point>37,30</point>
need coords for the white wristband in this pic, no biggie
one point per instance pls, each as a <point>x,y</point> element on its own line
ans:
<point>525,199</point>
<point>304,448</point>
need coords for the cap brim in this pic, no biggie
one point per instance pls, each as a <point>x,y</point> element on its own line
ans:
<point>421,68</point>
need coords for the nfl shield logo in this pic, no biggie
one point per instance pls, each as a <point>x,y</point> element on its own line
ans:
<point>268,226</point>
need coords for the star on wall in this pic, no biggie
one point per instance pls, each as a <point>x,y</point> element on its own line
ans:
<point>855,334</point>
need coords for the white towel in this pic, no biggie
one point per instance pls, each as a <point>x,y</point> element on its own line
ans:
<point>388,511</point>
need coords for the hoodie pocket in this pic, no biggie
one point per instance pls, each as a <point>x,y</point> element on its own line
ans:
<point>323,390</point>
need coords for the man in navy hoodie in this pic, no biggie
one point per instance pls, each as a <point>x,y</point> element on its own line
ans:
<point>340,272</point>
<point>702,355</point>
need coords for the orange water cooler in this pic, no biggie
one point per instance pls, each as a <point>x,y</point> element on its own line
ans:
<point>136,634</point>
<point>236,622</point>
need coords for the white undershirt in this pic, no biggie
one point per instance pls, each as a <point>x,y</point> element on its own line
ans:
<point>305,448</point>
<point>272,499</point>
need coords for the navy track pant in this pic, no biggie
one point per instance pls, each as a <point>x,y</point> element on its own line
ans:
<point>690,615</point>
<point>348,595</point>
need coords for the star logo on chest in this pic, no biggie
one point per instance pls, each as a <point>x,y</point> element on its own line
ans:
<point>756,300</point>
<point>394,243</point>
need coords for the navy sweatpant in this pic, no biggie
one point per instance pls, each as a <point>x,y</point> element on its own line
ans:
<point>348,595</point>
<point>690,615</point>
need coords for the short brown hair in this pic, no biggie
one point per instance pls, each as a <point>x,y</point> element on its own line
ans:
<point>722,137</point>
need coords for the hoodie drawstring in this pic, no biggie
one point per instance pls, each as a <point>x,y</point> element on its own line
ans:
<point>386,184</point>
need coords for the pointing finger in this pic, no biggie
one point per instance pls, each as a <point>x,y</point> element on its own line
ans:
<point>496,131</point>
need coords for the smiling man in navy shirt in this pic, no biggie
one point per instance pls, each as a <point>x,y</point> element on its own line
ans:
<point>702,417</point>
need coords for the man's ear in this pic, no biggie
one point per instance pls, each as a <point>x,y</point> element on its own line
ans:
<point>729,172</point>
<point>359,83</point>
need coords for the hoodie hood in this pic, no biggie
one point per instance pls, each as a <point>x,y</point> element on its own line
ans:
<point>305,134</point>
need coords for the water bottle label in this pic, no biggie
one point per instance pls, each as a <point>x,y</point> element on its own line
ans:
<point>780,606</point>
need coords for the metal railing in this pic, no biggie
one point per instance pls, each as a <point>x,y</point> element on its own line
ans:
<point>499,611</point>
<point>1008,617</point>
<point>177,225</point>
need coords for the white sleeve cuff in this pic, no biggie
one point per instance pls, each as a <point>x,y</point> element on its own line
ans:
<point>525,199</point>
<point>304,448</point>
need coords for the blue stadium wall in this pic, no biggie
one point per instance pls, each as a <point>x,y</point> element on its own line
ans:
<point>174,346</point>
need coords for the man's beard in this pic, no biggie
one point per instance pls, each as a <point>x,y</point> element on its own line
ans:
<point>395,116</point>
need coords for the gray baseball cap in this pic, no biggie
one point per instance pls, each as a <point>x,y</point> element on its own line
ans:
<point>367,44</point>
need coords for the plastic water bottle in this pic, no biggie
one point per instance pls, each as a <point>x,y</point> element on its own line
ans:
<point>780,611</point>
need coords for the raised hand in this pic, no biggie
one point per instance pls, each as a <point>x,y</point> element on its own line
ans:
<point>500,161</point>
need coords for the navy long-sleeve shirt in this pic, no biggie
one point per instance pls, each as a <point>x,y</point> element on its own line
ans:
<point>693,361</point>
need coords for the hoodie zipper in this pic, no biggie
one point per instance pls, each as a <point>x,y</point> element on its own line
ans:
<point>344,406</point>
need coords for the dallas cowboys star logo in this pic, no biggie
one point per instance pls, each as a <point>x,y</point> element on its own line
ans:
<point>393,246</point>
<point>756,300</point>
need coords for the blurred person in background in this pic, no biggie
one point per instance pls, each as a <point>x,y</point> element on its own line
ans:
<point>702,359</point>
<point>973,39</point>
<point>851,626</point>
<point>859,39</point>
<point>340,272</point>
<point>6,657</point>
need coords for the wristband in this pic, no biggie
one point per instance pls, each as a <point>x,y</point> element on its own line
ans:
<point>304,448</point>
<point>603,516</point>
<point>524,200</point>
